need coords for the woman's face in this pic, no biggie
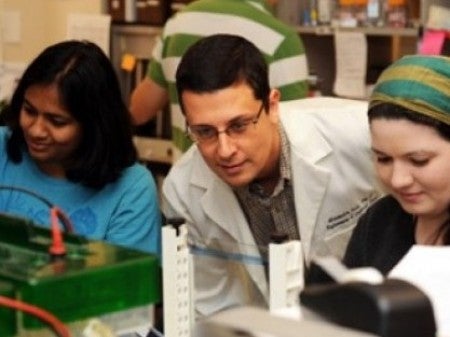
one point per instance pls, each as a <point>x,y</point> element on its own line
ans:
<point>413,163</point>
<point>51,133</point>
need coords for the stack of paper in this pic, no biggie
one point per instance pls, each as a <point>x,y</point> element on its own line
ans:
<point>427,267</point>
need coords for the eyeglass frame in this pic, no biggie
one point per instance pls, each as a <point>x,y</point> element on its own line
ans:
<point>232,134</point>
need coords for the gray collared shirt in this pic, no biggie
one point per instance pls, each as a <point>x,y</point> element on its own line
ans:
<point>274,213</point>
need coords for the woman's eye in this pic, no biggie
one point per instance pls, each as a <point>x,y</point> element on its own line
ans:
<point>419,161</point>
<point>28,110</point>
<point>58,121</point>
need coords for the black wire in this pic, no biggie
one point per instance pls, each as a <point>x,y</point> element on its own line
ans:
<point>61,216</point>
<point>29,192</point>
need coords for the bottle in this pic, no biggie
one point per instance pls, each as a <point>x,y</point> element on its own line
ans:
<point>360,12</point>
<point>346,13</point>
<point>325,11</point>
<point>130,11</point>
<point>396,13</point>
<point>313,13</point>
<point>374,13</point>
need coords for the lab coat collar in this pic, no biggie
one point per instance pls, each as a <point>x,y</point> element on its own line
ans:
<point>233,222</point>
<point>229,216</point>
<point>310,179</point>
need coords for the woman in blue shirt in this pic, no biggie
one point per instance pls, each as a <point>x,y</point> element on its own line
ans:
<point>68,138</point>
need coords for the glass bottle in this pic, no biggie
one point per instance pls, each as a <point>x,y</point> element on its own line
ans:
<point>360,10</point>
<point>325,11</point>
<point>374,13</point>
<point>396,13</point>
<point>346,13</point>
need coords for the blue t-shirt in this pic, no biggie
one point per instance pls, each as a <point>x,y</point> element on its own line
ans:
<point>125,212</point>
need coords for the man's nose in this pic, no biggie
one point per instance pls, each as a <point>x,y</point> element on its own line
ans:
<point>225,144</point>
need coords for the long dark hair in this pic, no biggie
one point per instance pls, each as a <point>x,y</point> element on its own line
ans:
<point>89,89</point>
<point>392,111</point>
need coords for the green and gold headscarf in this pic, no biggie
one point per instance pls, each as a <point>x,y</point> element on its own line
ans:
<point>418,83</point>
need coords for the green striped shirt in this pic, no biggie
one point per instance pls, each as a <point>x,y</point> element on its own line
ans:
<point>250,19</point>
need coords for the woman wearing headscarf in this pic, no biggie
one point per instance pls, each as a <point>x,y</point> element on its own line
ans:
<point>409,116</point>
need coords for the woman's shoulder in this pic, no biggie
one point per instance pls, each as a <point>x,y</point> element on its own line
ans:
<point>136,181</point>
<point>4,133</point>
<point>137,171</point>
<point>136,176</point>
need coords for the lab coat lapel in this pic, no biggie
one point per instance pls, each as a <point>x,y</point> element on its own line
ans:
<point>228,215</point>
<point>310,178</point>
<point>310,185</point>
<point>225,211</point>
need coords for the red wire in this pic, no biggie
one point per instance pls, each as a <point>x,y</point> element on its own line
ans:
<point>57,326</point>
<point>64,220</point>
<point>57,248</point>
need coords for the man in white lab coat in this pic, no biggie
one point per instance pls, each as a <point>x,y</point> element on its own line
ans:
<point>259,167</point>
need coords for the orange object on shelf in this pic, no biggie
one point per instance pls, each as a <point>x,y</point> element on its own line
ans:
<point>396,2</point>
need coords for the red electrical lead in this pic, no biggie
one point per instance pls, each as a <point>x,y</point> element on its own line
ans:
<point>57,248</point>
<point>56,325</point>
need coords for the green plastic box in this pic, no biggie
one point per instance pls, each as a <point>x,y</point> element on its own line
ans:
<point>94,278</point>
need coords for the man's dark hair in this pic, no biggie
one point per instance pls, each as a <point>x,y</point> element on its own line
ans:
<point>219,61</point>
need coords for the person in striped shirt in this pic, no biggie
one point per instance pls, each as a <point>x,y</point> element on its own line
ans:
<point>251,19</point>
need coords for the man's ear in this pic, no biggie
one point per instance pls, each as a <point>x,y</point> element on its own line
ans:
<point>274,100</point>
<point>274,95</point>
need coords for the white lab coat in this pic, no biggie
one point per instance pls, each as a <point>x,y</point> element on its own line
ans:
<point>333,181</point>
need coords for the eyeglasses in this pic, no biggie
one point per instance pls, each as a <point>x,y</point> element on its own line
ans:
<point>207,134</point>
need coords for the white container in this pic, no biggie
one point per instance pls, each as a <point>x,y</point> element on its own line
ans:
<point>130,11</point>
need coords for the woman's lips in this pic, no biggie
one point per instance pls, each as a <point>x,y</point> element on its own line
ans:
<point>37,146</point>
<point>410,197</point>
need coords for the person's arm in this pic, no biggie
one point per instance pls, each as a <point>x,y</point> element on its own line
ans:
<point>147,99</point>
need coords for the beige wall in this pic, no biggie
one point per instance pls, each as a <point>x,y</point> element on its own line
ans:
<point>43,22</point>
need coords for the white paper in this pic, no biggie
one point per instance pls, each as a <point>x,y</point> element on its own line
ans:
<point>92,27</point>
<point>427,267</point>
<point>11,26</point>
<point>10,74</point>
<point>438,17</point>
<point>351,64</point>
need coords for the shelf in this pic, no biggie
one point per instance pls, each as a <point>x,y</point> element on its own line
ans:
<point>140,29</point>
<point>371,31</point>
<point>134,29</point>
<point>385,45</point>
<point>154,150</point>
